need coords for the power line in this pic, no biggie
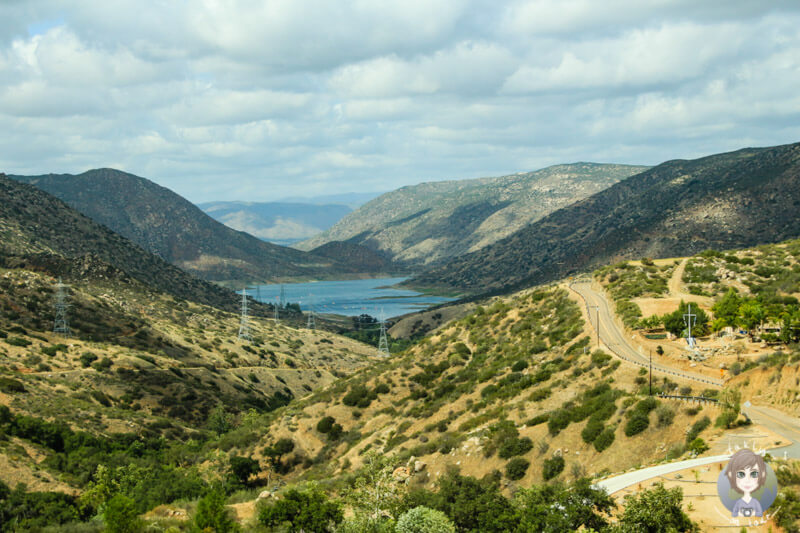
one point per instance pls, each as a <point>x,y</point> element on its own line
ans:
<point>383,344</point>
<point>311,323</point>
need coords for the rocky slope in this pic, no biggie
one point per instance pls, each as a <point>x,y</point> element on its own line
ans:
<point>680,207</point>
<point>431,222</point>
<point>166,224</point>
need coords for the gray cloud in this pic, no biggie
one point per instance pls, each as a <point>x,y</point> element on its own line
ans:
<point>227,99</point>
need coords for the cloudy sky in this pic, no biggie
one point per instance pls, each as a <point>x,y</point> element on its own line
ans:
<point>261,99</point>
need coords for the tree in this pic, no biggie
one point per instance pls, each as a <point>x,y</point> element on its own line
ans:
<point>302,510</point>
<point>219,421</point>
<point>751,314</point>
<point>552,467</point>
<point>276,452</point>
<point>422,519</point>
<point>516,468</point>
<point>656,510</point>
<point>558,507</point>
<point>726,309</point>
<point>675,323</point>
<point>120,515</point>
<point>212,513</point>
<point>376,494</point>
<point>241,468</point>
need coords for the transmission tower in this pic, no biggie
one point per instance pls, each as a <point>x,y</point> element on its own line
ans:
<point>277,314</point>
<point>244,324</point>
<point>282,302</point>
<point>383,343</point>
<point>61,326</point>
<point>312,323</point>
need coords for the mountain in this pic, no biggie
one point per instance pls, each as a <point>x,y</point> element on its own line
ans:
<point>432,222</point>
<point>40,232</point>
<point>277,222</point>
<point>170,226</point>
<point>680,207</point>
<point>350,199</point>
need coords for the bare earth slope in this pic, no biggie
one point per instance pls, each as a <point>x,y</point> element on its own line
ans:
<point>680,207</point>
<point>431,222</point>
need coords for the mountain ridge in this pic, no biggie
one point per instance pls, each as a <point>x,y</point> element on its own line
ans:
<point>670,210</point>
<point>430,222</point>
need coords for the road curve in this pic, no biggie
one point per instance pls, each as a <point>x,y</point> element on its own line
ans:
<point>615,340</point>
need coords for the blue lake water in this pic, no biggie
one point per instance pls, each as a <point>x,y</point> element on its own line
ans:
<point>350,297</point>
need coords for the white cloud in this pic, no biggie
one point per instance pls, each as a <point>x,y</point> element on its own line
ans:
<point>219,98</point>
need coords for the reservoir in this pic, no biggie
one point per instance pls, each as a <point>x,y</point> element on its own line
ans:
<point>349,297</point>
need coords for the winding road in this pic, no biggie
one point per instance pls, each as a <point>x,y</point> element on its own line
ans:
<point>614,337</point>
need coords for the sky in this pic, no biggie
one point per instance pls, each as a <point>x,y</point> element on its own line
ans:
<point>260,99</point>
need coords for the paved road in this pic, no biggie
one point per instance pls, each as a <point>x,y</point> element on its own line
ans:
<point>617,483</point>
<point>782,424</point>
<point>615,340</point>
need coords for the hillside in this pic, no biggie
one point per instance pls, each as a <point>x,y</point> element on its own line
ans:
<point>432,222</point>
<point>166,224</point>
<point>723,201</point>
<point>141,369</point>
<point>40,232</point>
<point>282,223</point>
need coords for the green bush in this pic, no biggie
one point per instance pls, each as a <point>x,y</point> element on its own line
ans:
<point>9,385</point>
<point>552,467</point>
<point>516,468</point>
<point>18,341</point>
<point>604,439</point>
<point>308,510</point>
<point>636,424</point>
<point>325,424</point>
<point>665,416</point>
<point>697,428</point>
<point>593,428</point>
<point>421,519</point>
<point>512,447</point>
<point>87,358</point>
<point>211,514</point>
<point>698,446</point>
<point>120,515</point>
<point>519,366</point>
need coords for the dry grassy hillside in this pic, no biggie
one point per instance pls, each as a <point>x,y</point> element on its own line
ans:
<point>510,387</point>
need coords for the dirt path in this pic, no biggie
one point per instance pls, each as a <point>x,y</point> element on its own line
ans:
<point>675,287</point>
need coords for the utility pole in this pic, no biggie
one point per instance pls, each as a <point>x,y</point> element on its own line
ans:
<point>244,323</point>
<point>383,344</point>
<point>60,325</point>
<point>596,322</point>
<point>651,372</point>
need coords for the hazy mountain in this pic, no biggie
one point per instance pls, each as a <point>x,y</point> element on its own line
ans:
<point>277,222</point>
<point>680,207</point>
<point>432,222</point>
<point>350,199</point>
<point>167,224</point>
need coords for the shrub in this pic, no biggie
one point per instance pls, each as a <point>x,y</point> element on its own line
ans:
<point>87,358</point>
<point>516,468</point>
<point>600,358</point>
<point>359,396</point>
<point>307,510</point>
<point>697,446</point>
<point>665,415</point>
<point>18,341</point>
<point>212,514</point>
<point>325,424</point>
<point>421,519</point>
<point>120,515</point>
<point>552,467</point>
<point>637,423</point>
<point>697,428</point>
<point>103,364</point>
<point>9,385</point>
<point>519,366</point>
<point>513,447</point>
<point>604,439</point>
<point>593,428</point>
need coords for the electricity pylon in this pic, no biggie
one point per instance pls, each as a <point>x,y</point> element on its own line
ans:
<point>383,343</point>
<point>60,325</point>
<point>244,323</point>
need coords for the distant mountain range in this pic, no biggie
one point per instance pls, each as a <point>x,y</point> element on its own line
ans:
<point>430,223</point>
<point>736,199</point>
<point>280,223</point>
<point>166,224</point>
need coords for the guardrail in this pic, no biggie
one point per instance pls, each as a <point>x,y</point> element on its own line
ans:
<point>698,399</point>
<point>663,370</point>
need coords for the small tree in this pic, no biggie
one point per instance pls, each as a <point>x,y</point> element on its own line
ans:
<point>212,513</point>
<point>306,510</point>
<point>516,468</point>
<point>424,520</point>
<point>219,421</point>
<point>656,510</point>
<point>376,493</point>
<point>241,468</point>
<point>120,515</point>
<point>552,467</point>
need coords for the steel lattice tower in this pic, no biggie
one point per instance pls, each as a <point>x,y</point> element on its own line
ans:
<point>383,343</point>
<point>60,325</point>
<point>244,323</point>
<point>282,301</point>
<point>277,313</point>
<point>311,323</point>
